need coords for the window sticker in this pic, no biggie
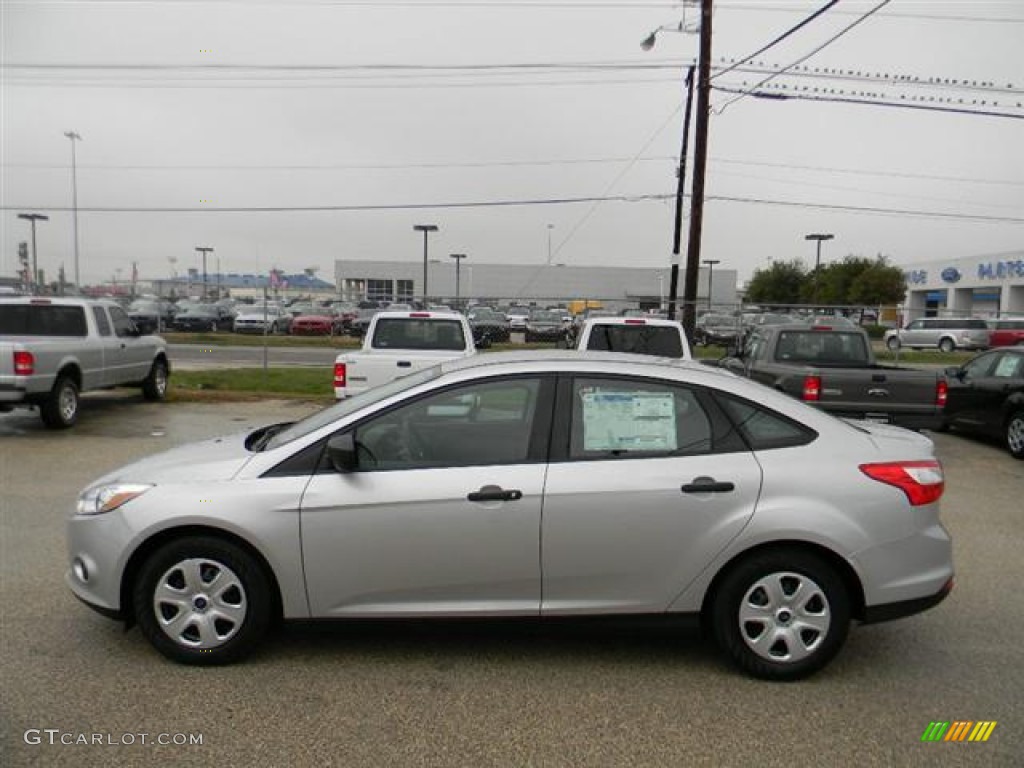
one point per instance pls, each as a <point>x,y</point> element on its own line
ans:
<point>629,421</point>
<point>1006,368</point>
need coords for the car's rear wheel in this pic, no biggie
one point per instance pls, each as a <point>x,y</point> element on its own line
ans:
<point>947,345</point>
<point>893,343</point>
<point>1015,435</point>
<point>60,408</point>
<point>154,387</point>
<point>781,614</point>
<point>201,600</point>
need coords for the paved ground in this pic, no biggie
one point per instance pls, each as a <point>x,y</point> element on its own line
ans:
<point>481,695</point>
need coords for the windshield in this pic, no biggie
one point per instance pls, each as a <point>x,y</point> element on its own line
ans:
<point>351,405</point>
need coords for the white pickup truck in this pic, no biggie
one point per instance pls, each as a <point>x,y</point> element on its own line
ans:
<point>399,343</point>
<point>639,335</point>
<point>51,349</point>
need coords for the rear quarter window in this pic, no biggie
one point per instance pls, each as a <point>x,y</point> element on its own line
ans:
<point>764,429</point>
<point>42,320</point>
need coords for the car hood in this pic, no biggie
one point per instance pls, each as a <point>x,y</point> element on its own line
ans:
<point>219,458</point>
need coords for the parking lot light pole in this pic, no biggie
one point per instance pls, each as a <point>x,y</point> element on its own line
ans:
<point>203,249</point>
<point>817,259</point>
<point>74,201</point>
<point>711,272</point>
<point>33,218</point>
<point>426,229</point>
<point>458,264</point>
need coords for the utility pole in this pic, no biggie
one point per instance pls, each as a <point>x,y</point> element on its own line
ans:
<point>204,250</point>
<point>33,218</point>
<point>700,162</point>
<point>677,233</point>
<point>74,201</point>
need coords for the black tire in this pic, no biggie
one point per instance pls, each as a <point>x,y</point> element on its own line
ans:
<point>60,408</point>
<point>809,631</point>
<point>154,386</point>
<point>1014,434</point>
<point>215,627</point>
<point>893,343</point>
<point>947,345</point>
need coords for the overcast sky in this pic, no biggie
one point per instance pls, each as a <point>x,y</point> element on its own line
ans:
<point>209,105</point>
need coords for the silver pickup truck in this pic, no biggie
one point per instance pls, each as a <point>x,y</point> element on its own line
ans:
<point>52,349</point>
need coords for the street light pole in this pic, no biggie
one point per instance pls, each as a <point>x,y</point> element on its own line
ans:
<point>817,259</point>
<point>711,271</point>
<point>204,250</point>
<point>550,227</point>
<point>426,229</point>
<point>458,263</point>
<point>73,136</point>
<point>33,218</point>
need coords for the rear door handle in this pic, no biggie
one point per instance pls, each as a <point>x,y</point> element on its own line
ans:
<point>494,493</point>
<point>404,364</point>
<point>707,485</point>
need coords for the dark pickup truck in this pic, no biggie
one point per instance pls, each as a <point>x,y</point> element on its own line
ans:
<point>834,368</point>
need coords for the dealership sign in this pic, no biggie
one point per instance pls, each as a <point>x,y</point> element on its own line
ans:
<point>1000,270</point>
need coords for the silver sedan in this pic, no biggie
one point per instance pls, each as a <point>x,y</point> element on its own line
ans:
<point>528,485</point>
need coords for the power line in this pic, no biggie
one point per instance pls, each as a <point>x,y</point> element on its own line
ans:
<point>870,102</point>
<point>778,39</point>
<point>890,15</point>
<point>801,60</point>
<point>539,201</point>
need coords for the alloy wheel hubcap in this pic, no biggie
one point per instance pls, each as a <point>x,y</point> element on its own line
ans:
<point>784,617</point>
<point>67,403</point>
<point>1015,434</point>
<point>200,603</point>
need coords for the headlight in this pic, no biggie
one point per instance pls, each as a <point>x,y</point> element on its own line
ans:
<point>106,498</point>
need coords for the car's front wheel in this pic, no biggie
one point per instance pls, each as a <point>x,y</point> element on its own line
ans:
<point>1015,435</point>
<point>947,345</point>
<point>781,614</point>
<point>893,343</point>
<point>201,600</point>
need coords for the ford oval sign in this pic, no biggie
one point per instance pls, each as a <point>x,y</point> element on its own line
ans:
<point>951,274</point>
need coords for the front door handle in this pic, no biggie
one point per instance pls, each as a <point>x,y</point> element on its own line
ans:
<point>494,493</point>
<point>404,364</point>
<point>707,485</point>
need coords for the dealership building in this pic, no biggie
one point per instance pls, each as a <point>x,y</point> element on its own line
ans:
<point>541,284</point>
<point>979,286</point>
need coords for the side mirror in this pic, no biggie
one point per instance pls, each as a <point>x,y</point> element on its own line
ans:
<point>341,450</point>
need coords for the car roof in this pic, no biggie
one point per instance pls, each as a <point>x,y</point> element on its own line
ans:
<point>619,320</point>
<point>424,314</point>
<point>542,359</point>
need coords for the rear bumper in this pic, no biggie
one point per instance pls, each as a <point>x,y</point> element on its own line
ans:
<point>890,611</point>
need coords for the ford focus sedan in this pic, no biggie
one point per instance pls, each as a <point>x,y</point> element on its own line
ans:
<point>544,484</point>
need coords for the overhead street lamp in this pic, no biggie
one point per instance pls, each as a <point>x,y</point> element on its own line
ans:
<point>73,136</point>
<point>34,217</point>
<point>426,229</point>
<point>458,263</point>
<point>817,259</point>
<point>711,271</point>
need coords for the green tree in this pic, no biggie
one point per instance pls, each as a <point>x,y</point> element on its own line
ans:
<point>781,283</point>
<point>835,280</point>
<point>881,283</point>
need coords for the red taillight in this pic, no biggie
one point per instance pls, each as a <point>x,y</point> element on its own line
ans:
<point>821,327</point>
<point>941,393</point>
<point>922,481</point>
<point>419,314</point>
<point>812,388</point>
<point>24,364</point>
<point>636,321</point>
<point>340,374</point>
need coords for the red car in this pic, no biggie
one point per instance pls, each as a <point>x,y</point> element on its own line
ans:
<point>313,325</point>
<point>1006,332</point>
